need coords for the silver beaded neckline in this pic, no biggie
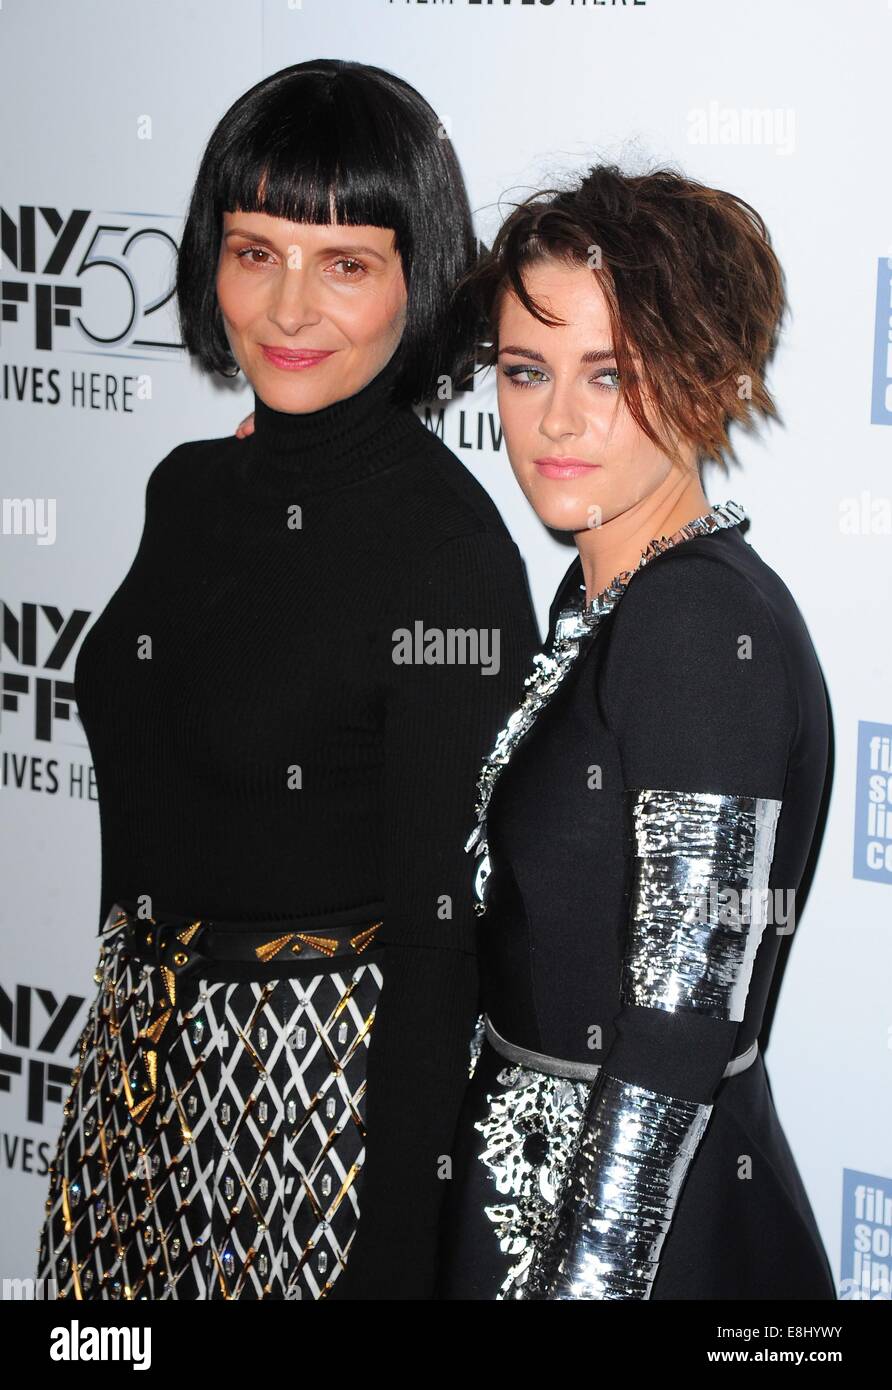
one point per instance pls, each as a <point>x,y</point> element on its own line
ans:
<point>574,626</point>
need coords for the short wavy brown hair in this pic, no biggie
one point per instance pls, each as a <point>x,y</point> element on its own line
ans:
<point>693,287</point>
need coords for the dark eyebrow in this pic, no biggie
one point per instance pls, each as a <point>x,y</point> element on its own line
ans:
<point>596,355</point>
<point>324,251</point>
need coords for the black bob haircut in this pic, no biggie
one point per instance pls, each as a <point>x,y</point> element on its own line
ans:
<point>335,134</point>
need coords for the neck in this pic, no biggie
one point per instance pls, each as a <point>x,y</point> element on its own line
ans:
<point>320,449</point>
<point>605,551</point>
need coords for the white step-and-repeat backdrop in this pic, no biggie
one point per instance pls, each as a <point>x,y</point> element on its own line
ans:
<point>106,107</point>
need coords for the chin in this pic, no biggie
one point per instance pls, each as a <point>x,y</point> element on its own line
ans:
<point>292,393</point>
<point>570,514</point>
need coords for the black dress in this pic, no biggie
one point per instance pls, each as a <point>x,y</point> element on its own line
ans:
<point>276,1053</point>
<point>643,825</point>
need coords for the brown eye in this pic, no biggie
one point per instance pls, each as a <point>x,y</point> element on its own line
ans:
<point>250,251</point>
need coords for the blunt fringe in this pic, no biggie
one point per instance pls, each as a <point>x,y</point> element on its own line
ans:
<point>331,140</point>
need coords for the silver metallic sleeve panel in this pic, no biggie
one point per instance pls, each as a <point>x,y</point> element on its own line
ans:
<point>700,882</point>
<point>699,898</point>
<point>623,1185</point>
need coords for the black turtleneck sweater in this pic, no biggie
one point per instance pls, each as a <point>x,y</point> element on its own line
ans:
<point>259,753</point>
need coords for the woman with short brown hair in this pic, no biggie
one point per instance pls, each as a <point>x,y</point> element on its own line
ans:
<point>645,816</point>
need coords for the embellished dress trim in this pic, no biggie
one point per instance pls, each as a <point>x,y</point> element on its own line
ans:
<point>575,627</point>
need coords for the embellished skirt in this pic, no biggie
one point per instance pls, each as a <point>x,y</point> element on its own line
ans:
<point>213,1137</point>
<point>732,1237</point>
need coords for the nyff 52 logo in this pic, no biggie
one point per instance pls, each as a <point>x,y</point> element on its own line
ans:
<point>106,276</point>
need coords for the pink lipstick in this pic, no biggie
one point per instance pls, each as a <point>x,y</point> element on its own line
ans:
<point>293,359</point>
<point>557,467</point>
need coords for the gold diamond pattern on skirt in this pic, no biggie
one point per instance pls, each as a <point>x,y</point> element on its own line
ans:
<point>243,1179</point>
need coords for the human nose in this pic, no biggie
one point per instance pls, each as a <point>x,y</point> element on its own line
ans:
<point>294,300</point>
<point>563,414</point>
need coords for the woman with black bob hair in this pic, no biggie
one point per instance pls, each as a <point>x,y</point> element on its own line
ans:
<point>273,1063</point>
<point>335,141</point>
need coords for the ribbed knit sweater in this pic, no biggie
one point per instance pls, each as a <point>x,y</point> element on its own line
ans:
<point>259,752</point>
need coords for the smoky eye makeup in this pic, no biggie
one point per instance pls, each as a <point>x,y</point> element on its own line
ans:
<point>605,378</point>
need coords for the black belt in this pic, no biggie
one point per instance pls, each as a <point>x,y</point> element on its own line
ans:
<point>182,944</point>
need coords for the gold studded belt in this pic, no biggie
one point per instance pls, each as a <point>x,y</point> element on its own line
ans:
<point>183,944</point>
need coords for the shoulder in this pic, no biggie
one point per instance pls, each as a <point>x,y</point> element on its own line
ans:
<point>448,530</point>
<point>472,578</point>
<point>452,550</point>
<point>186,459</point>
<point>716,583</point>
<point>701,622</point>
<point>446,497</point>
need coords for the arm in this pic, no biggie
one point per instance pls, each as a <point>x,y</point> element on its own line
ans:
<point>704,739</point>
<point>441,719</point>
